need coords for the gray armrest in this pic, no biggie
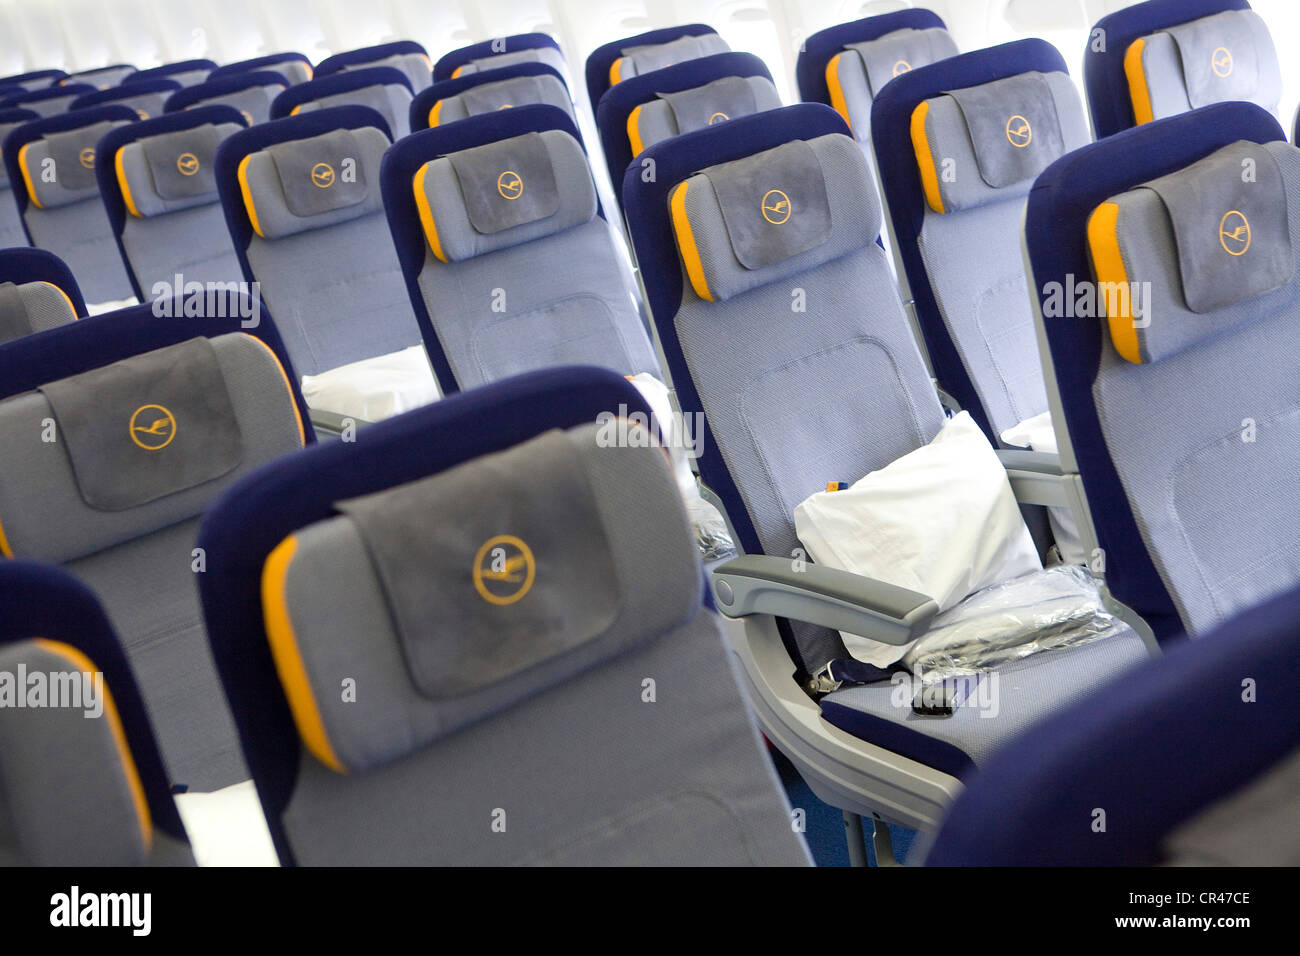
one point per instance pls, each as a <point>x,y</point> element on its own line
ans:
<point>331,424</point>
<point>764,584</point>
<point>1036,477</point>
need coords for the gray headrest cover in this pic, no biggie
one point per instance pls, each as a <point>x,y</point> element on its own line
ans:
<point>901,52</point>
<point>723,99</point>
<point>1219,57</point>
<point>148,426</point>
<point>1013,126</point>
<point>14,323</point>
<point>516,91</point>
<point>774,204</point>
<point>73,153</point>
<point>254,102</point>
<point>5,130</point>
<point>507,183</point>
<point>608,568</point>
<point>656,56</point>
<point>321,173</point>
<point>376,97</point>
<point>181,163</point>
<point>1232,231</point>
<point>524,569</point>
<point>32,307</point>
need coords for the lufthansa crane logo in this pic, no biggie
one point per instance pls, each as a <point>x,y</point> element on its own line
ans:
<point>509,185</point>
<point>718,117</point>
<point>187,163</point>
<point>504,569</point>
<point>322,175</point>
<point>776,207</point>
<point>1234,233</point>
<point>87,157</point>
<point>152,427</point>
<point>1221,62</point>
<point>902,66</point>
<point>1019,132</point>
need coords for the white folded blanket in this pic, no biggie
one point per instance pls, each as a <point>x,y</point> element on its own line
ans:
<point>374,388</point>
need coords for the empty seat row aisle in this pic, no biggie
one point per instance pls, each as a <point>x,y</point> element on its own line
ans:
<point>660,447</point>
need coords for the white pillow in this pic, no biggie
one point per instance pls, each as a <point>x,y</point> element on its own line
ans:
<point>941,521</point>
<point>375,388</point>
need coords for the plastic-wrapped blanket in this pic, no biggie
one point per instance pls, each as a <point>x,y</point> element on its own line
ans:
<point>1044,610</point>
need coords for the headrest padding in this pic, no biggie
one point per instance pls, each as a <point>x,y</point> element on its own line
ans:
<point>542,54</point>
<point>502,94</point>
<point>392,101</point>
<point>671,114</point>
<point>172,171</point>
<point>304,184</point>
<point>414,66</point>
<point>503,194</point>
<point>741,225</point>
<point>43,512</point>
<point>901,52</point>
<point>638,60</point>
<point>69,789</point>
<point>479,587</point>
<point>1188,256</point>
<point>987,143</point>
<point>71,156</point>
<point>32,307</point>
<point>1225,56</point>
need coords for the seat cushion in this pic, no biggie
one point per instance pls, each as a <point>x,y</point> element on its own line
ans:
<point>993,708</point>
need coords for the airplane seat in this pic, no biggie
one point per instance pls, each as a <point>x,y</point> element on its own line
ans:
<point>118,431</point>
<point>618,60</point>
<point>295,68</point>
<point>487,91</point>
<point>846,66</point>
<point>81,784</point>
<point>50,101</point>
<point>158,182</point>
<point>516,50</point>
<point>795,348</point>
<point>1174,780</point>
<point>523,733</point>
<point>646,109</point>
<point>37,292</point>
<point>102,78</point>
<point>303,206</point>
<point>11,224</point>
<point>509,261</point>
<point>958,145</point>
<point>146,97</point>
<point>251,93</point>
<point>184,72</point>
<point>35,80</point>
<point>382,88</point>
<point>51,165</point>
<point>1165,57</point>
<point>1179,409</point>
<point>406,56</point>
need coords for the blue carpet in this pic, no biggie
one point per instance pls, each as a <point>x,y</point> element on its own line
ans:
<point>825,824</point>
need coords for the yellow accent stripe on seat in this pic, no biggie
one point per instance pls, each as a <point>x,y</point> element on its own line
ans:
<point>838,103</point>
<point>1138,91</point>
<point>1108,263</point>
<point>634,130</point>
<point>433,114</point>
<point>82,663</point>
<point>616,72</point>
<point>686,243</point>
<point>426,214</point>
<point>456,72</point>
<point>247,193</point>
<point>122,184</point>
<point>297,414</point>
<point>288,659</point>
<point>5,549</point>
<point>27,176</point>
<point>925,157</point>
<point>311,70</point>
